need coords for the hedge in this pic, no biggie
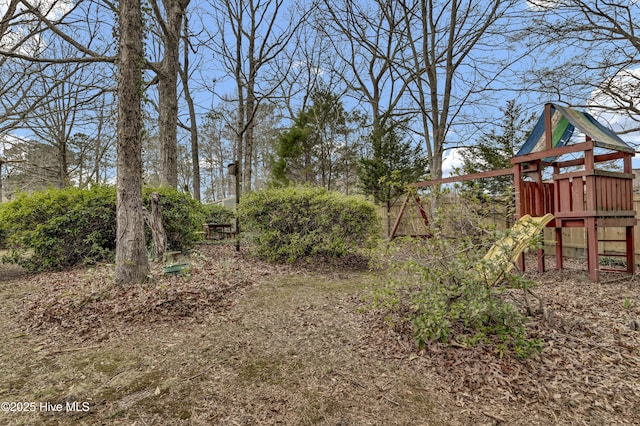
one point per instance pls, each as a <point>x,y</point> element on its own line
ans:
<point>295,222</point>
<point>60,228</point>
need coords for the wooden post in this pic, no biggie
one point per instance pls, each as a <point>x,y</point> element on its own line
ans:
<point>558,245</point>
<point>631,256</point>
<point>590,222</point>
<point>517,181</point>
<point>556,208</point>
<point>627,163</point>
<point>392,234</point>
<point>539,211</point>
<point>592,249</point>
<point>548,129</point>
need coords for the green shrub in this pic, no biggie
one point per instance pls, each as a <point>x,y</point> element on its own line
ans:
<point>59,228</point>
<point>296,222</point>
<point>3,236</point>
<point>216,213</point>
<point>442,290</point>
<point>182,217</point>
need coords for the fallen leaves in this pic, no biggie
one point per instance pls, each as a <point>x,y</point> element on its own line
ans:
<point>587,373</point>
<point>87,303</point>
<point>588,370</point>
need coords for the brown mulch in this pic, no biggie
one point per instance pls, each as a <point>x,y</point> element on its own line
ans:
<point>588,371</point>
<point>86,301</point>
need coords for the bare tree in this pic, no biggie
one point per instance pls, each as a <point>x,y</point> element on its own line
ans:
<point>132,265</point>
<point>367,40</point>
<point>32,169</point>
<point>218,141</point>
<point>52,84</point>
<point>592,55</point>
<point>169,20</point>
<point>451,53</point>
<point>81,27</point>
<point>72,106</point>
<point>253,34</point>
<point>27,29</point>
<point>100,153</point>
<point>193,124</point>
<point>28,48</point>
<point>303,69</point>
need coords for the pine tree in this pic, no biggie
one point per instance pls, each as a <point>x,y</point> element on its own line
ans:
<point>493,151</point>
<point>293,162</point>
<point>310,151</point>
<point>394,164</point>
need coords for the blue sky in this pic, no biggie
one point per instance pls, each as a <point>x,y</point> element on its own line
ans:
<point>206,99</point>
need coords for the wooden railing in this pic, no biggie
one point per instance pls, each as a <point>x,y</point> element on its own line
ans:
<point>536,203</point>
<point>612,193</point>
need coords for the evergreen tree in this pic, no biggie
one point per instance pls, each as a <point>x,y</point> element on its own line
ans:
<point>293,162</point>
<point>395,163</point>
<point>495,149</point>
<point>313,149</point>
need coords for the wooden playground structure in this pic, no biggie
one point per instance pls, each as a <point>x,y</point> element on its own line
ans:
<point>590,191</point>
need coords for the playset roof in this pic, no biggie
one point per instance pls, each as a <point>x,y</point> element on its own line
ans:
<point>563,123</point>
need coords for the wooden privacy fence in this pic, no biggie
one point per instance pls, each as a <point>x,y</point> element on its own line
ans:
<point>611,240</point>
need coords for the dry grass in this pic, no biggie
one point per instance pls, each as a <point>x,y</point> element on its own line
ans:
<point>291,346</point>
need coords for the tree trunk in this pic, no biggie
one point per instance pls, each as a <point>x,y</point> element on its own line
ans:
<point>250,113</point>
<point>195,154</point>
<point>63,168</point>
<point>132,265</point>
<point>435,162</point>
<point>240,119</point>
<point>168,132</point>
<point>168,95</point>
<point>1,188</point>
<point>247,175</point>
<point>154,221</point>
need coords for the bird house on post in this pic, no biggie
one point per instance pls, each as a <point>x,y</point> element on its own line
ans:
<point>233,168</point>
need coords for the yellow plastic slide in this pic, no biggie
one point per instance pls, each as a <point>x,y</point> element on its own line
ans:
<point>501,257</point>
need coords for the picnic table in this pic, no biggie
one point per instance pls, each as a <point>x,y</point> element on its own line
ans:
<point>218,231</point>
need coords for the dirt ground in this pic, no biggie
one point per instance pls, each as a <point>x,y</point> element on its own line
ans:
<point>239,342</point>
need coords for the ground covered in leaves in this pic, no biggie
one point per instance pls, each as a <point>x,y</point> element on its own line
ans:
<point>239,342</point>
